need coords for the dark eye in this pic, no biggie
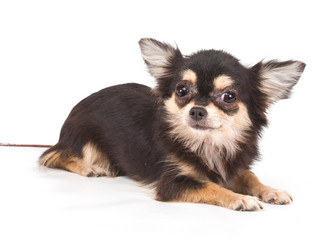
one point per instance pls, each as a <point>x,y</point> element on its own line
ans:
<point>182,90</point>
<point>229,97</point>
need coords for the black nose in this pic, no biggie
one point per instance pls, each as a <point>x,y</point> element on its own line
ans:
<point>198,113</point>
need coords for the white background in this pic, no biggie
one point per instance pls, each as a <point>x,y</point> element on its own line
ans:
<point>55,53</point>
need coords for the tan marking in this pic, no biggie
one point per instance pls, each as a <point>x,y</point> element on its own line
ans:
<point>185,168</point>
<point>223,81</point>
<point>72,164</point>
<point>50,160</point>
<point>93,163</point>
<point>241,121</point>
<point>234,126</point>
<point>189,75</point>
<point>171,105</point>
<point>75,165</point>
<point>216,195</point>
<point>96,160</point>
<point>248,183</point>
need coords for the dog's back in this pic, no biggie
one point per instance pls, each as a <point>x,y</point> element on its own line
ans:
<point>110,133</point>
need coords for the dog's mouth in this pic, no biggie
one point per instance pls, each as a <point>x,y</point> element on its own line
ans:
<point>200,127</point>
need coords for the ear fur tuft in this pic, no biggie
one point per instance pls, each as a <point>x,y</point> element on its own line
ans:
<point>159,57</point>
<point>278,78</point>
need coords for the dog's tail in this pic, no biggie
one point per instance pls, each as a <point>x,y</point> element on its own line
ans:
<point>89,161</point>
<point>55,157</point>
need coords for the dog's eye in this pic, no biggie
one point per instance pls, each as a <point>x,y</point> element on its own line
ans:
<point>229,97</point>
<point>182,90</point>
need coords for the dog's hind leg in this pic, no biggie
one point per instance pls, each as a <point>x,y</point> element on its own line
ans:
<point>91,162</point>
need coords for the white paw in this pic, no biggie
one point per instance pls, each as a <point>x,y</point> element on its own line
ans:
<point>274,196</point>
<point>245,203</point>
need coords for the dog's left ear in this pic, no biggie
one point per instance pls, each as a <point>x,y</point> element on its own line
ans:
<point>161,58</point>
<point>278,78</point>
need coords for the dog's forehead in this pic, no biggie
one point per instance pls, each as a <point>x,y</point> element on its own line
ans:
<point>212,68</point>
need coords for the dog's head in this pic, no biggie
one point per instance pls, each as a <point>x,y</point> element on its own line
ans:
<point>211,99</point>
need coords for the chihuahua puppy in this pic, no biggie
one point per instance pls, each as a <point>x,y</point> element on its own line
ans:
<point>193,137</point>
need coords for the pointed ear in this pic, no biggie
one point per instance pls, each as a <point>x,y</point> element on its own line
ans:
<point>159,57</point>
<point>278,78</point>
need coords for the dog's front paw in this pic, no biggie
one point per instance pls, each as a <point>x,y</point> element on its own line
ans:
<point>244,203</point>
<point>274,196</point>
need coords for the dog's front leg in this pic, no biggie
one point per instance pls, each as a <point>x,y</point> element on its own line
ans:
<point>248,183</point>
<point>186,189</point>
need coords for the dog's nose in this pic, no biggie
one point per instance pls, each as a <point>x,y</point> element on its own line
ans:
<point>198,113</point>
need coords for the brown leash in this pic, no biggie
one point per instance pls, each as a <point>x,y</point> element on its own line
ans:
<point>24,145</point>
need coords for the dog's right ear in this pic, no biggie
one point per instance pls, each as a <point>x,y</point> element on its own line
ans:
<point>161,58</point>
